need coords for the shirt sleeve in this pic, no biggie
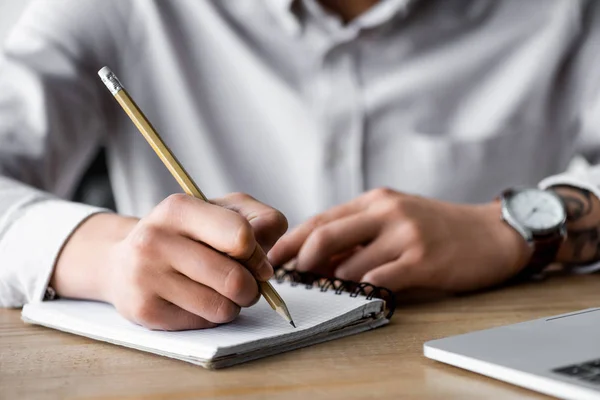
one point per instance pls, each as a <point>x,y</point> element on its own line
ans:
<point>585,81</point>
<point>51,123</point>
<point>30,247</point>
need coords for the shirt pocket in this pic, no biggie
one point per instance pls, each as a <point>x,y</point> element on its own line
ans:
<point>476,168</point>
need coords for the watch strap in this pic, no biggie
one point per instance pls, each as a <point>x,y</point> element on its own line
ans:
<point>545,250</point>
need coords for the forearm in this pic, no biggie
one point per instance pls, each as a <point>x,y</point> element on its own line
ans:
<point>582,245</point>
<point>85,261</point>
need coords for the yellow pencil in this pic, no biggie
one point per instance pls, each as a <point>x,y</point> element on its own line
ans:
<point>168,158</point>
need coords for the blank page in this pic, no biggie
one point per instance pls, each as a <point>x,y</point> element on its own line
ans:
<point>259,326</point>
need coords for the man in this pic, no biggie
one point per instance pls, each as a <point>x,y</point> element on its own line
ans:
<point>313,107</point>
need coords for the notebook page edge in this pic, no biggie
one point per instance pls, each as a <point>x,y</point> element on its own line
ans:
<point>356,314</point>
<point>51,318</point>
<point>218,363</point>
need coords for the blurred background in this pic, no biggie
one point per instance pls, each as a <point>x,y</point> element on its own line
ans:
<point>94,188</point>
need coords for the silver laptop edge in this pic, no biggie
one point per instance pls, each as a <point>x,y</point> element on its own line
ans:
<point>525,354</point>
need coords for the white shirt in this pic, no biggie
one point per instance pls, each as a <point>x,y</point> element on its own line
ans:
<point>455,100</point>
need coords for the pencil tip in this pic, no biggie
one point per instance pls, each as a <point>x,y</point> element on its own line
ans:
<point>292,324</point>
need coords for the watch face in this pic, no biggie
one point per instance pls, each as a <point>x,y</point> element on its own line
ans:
<point>536,209</point>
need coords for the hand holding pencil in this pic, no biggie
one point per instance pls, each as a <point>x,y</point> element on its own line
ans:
<point>191,224</point>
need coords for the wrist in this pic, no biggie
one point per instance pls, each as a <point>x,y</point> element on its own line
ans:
<point>83,268</point>
<point>519,251</point>
<point>539,216</point>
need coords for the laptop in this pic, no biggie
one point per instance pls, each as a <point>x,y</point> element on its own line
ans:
<point>558,356</point>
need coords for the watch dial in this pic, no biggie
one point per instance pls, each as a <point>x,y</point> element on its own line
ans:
<point>537,209</point>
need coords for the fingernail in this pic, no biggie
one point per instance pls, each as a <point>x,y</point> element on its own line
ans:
<point>265,270</point>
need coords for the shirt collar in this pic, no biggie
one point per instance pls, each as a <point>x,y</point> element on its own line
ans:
<point>283,10</point>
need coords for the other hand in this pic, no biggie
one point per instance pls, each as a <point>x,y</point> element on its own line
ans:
<point>401,241</point>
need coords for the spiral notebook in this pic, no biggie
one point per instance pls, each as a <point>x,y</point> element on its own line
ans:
<point>322,309</point>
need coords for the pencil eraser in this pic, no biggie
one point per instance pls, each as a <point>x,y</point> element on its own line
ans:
<point>110,80</point>
<point>104,72</point>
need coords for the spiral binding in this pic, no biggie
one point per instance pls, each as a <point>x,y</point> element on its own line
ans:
<point>312,280</point>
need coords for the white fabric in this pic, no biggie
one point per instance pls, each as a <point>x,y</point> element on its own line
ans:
<point>449,99</point>
<point>29,249</point>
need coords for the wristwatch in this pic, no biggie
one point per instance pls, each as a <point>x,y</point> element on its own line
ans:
<point>540,217</point>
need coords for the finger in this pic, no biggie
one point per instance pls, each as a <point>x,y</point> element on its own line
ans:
<point>395,276</point>
<point>165,316</point>
<point>258,261</point>
<point>290,244</point>
<point>339,259</point>
<point>204,265</point>
<point>197,299</point>
<point>381,251</point>
<point>268,223</point>
<point>336,237</point>
<point>222,229</point>
<point>328,268</point>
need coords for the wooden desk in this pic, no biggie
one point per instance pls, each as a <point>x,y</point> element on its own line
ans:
<point>36,362</point>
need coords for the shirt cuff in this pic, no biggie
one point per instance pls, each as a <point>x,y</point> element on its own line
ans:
<point>576,180</point>
<point>30,247</point>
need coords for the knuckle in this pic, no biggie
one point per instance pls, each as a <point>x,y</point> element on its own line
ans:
<point>387,206</point>
<point>239,197</point>
<point>144,240</point>
<point>170,208</point>
<point>412,231</point>
<point>176,200</point>
<point>381,193</point>
<point>393,206</point>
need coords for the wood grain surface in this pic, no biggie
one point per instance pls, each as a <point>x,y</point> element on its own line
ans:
<point>37,362</point>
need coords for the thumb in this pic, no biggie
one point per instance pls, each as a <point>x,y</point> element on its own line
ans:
<point>258,264</point>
